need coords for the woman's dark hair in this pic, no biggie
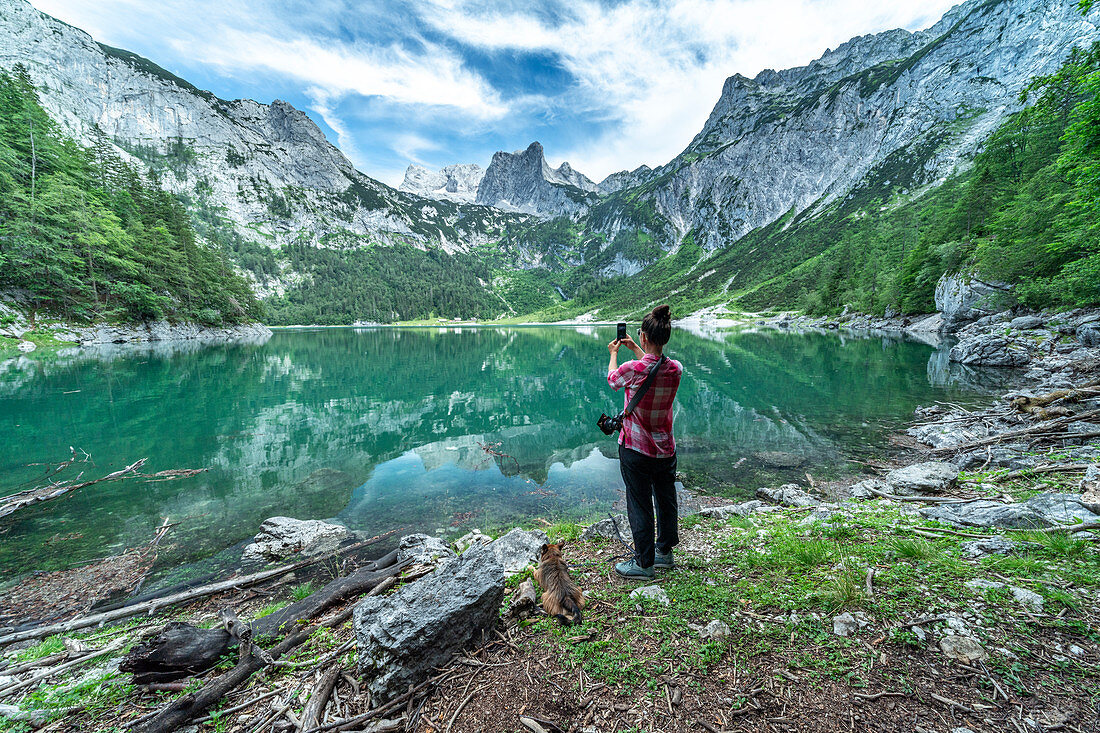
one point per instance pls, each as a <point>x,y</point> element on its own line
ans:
<point>658,325</point>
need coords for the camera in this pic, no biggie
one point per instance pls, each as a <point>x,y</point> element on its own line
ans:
<point>610,425</point>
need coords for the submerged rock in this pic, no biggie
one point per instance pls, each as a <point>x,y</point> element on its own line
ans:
<point>281,537</point>
<point>403,636</point>
<point>931,477</point>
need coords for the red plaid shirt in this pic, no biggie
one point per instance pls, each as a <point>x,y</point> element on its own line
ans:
<point>648,429</point>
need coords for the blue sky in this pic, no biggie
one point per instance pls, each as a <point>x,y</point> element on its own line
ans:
<point>605,84</point>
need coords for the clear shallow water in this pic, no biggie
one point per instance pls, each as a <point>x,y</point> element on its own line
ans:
<point>385,428</point>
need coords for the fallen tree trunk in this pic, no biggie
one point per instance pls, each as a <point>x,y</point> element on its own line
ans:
<point>1046,427</point>
<point>183,649</point>
<point>251,660</point>
<point>153,606</point>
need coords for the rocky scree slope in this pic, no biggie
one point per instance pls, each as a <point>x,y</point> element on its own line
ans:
<point>268,167</point>
<point>897,110</point>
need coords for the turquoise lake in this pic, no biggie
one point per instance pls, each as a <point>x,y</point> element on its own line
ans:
<point>393,427</point>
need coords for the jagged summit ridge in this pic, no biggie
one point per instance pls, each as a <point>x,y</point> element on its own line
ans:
<point>523,181</point>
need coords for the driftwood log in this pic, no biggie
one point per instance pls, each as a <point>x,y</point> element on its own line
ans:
<point>182,649</point>
<point>250,660</point>
<point>152,606</point>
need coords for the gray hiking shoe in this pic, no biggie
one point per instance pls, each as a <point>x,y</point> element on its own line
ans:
<point>633,571</point>
<point>663,561</point>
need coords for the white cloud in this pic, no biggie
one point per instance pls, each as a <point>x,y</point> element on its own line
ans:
<point>656,69</point>
<point>431,78</point>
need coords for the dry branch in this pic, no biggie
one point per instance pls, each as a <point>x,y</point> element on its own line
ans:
<point>15,502</point>
<point>1046,427</point>
<point>183,649</point>
<point>252,659</point>
<point>315,708</point>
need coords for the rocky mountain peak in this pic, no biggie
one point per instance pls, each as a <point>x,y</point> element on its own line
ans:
<point>524,181</point>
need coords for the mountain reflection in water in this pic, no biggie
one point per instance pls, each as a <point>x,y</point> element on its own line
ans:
<point>389,427</point>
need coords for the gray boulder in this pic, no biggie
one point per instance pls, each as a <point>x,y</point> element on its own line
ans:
<point>931,477</point>
<point>991,350</point>
<point>605,529</point>
<point>743,509</point>
<point>472,538</point>
<point>518,549</point>
<point>1090,488</point>
<point>1089,334</point>
<point>281,537</point>
<point>846,624</point>
<point>963,649</point>
<point>962,299</point>
<point>403,636</point>
<point>989,546</point>
<point>787,495</point>
<point>1044,510</point>
<point>422,549</point>
<point>653,593</point>
<point>716,630</point>
<point>1026,323</point>
<point>862,489</point>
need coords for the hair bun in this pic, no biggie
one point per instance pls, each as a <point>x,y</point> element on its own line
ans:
<point>662,314</point>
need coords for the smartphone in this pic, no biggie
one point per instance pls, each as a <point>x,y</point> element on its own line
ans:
<point>621,334</point>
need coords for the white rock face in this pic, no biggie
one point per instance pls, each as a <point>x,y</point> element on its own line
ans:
<point>961,298</point>
<point>268,166</point>
<point>163,331</point>
<point>450,183</point>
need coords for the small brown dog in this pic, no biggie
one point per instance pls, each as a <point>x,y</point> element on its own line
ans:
<point>561,598</point>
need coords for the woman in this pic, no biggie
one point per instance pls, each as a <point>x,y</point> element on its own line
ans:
<point>647,451</point>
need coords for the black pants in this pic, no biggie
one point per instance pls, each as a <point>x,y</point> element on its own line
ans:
<point>647,478</point>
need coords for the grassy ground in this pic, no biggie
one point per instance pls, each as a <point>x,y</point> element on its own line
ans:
<point>777,579</point>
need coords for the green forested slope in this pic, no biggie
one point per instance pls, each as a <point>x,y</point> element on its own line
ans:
<point>85,237</point>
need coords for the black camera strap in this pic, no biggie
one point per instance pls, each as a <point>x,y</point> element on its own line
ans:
<point>649,379</point>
